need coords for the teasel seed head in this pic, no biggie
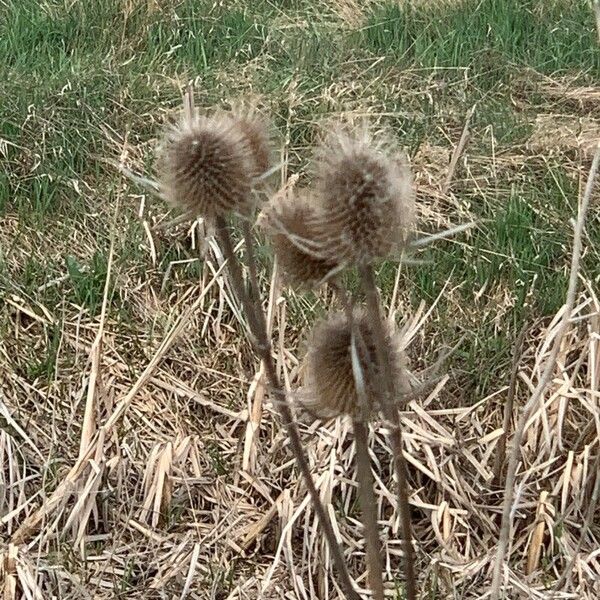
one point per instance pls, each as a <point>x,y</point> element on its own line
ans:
<point>254,127</point>
<point>208,167</point>
<point>292,222</point>
<point>368,197</point>
<point>329,376</point>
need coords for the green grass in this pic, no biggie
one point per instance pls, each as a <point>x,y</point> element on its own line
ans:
<point>78,77</point>
<point>487,36</point>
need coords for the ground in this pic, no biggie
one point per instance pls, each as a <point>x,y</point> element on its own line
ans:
<point>140,456</point>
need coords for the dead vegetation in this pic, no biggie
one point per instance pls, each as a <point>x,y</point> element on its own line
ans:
<point>162,495</point>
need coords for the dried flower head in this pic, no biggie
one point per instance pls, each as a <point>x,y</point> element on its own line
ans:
<point>292,222</point>
<point>368,197</point>
<point>329,373</point>
<point>255,129</point>
<point>208,167</point>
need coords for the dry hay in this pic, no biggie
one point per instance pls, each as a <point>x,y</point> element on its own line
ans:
<point>351,12</point>
<point>179,484</point>
<point>564,134</point>
<point>570,93</point>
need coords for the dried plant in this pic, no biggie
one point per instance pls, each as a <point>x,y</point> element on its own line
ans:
<point>362,208</point>
<point>342,377</point>
<point>297,235</point>
<point>367,196</point>
<point>330,369</point>
<point>368,204</point>
<point>340,373</point>
<point>209,167</point>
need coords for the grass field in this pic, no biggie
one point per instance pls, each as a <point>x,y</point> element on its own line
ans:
<point>191,487</point>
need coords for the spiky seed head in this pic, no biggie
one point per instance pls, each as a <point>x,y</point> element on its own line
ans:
<point>255,129</point>
<point>292,222</point>
<point>207,166</point>
<point>328,368</point>
<point>368,196</point>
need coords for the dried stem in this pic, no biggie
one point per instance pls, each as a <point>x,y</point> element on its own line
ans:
<point>392,416</point>
<point>364,474</point>
<point>368,505</point>
<point>508,407</point>
<point>262,346</point>
<point>458,151</point>
<point>251,260</point>
<point>543,383</point>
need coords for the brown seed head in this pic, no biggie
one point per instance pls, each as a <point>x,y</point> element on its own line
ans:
<point>207,166</point>
<point>292,222</point>
<point>329,374</point>
<point>368,197</point>
<point>255,129</point>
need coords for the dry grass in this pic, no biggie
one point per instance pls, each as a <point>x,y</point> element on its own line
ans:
<point>563,134</point>
<point>136,477</point>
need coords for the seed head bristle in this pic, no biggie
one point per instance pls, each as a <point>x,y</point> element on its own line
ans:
<point>207,166</point>
<point>368,197</point>
<point>329,374</point>
<point>255,129</point>
<point>295,230</point>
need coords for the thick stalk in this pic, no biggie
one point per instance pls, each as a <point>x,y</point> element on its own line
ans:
<point>368,507</point>
<point>262,347</point>
<point>364,474</point>
<point>391,415</point>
